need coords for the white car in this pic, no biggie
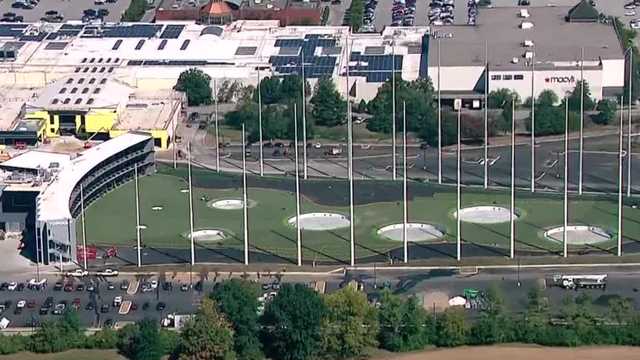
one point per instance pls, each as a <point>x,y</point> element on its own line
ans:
<point>21,304</point>
<point>78,273</point>
<point>153,284</point>
<point>107,272</point>
<point>635,25</point>
<point>630,6</point>
<point>12,286</point>
<point>117,301</point>
<point>630,13</point>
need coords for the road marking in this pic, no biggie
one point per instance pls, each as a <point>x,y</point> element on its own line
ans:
<point>133,287</point>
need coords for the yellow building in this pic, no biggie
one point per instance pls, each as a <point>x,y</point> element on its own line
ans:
<point>91,106</point>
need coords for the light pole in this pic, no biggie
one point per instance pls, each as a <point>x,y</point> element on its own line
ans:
<point>260,126</point>
<point>439,120</point>
<point>458,227</point>
<point>566,180</point>
<point>405,216</point>
<point>193,253</point>
<point>533,122</point>
<point>215,97</point>
<point>581,120</point>
<point>295,147</point>
<point>630,96</point>
<point>304,120</point>
<point>84,228</point>
<point>513,163</point>
<point>245,211</point>
<point>138,234</point>
<point>393,107</point>
<point>620,180</point>
<point>486,115</point>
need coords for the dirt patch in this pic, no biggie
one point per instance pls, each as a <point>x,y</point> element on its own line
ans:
<point>437,299</point>
<point>516,352</point>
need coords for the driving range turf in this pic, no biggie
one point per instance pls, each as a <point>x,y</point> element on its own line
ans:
<point>111,220</point>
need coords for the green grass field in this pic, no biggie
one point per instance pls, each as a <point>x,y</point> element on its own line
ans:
<point>111,220</point>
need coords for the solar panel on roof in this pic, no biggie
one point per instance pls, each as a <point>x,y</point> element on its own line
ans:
<point>56,45</point>
<point>246,50</point>
<point>163,43</point>
<point>374,50</point>
<point>117,44</point>
<point>139,44</point>
<point>172,32</point>
<point>185,44</point>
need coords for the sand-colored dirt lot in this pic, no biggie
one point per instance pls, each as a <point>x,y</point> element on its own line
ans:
<point>524,352</point>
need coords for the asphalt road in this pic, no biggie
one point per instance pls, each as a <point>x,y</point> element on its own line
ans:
<point>600,163</point>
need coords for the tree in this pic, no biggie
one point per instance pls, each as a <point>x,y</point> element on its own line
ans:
<point>503,123</point>
<point>58,335</point>
<point>208,336</point>
<point>451,328</point>
<point>145,342</point>
<point>498,99</point>
<point>402,323</point>
<point>473,127</point>
<point>421,113</point>
<point>196,84</point>
<point>574,98</point>
<point>270,90</point>
<point>493,326</point>
<point>329,108</point>
<point>355,15</point>
<point>238,301</point>
<point>294,319</point>
<point>606,112</point>
<point>351,324</point>
<point>549,118</point>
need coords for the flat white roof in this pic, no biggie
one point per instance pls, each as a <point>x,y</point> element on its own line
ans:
<point>53,201</point>
<point>34,159</point>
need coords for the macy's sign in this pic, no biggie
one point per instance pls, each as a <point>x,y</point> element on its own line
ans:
<point>560,79</point>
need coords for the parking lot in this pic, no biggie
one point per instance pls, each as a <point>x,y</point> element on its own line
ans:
<point>108,301</point>
<point>70,9</point>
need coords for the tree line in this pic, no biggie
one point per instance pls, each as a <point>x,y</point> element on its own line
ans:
<point>326,107</point>
<point>299,324</point>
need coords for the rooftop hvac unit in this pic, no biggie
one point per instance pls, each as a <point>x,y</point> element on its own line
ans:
<point>526,25</point>
<point>528,55</point>
<point>524,13</point>
<point>528,43</point>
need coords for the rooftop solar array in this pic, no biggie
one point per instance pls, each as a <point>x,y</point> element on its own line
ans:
<point>12,30</point>
<point>289,51</point>
<point>163,43</point>
<point>35,37</point>
<point>414,49</point>
<point>172,63</point>
<point>117,44</point>
<point>331,50</point>
<point>185,44</point>
<point>374,50</point>
<point>376,68</point>
<point>56,45</point>
<point>131,31</point>
<point>172,32</point>
<point>289,62</point>
<point>246,50</point>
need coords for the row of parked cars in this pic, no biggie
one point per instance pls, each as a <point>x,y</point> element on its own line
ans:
<point>368,21</point>
<point>472,12</point>
<point>25,4</point>
<point>441,12</point>
<point>403,13</point>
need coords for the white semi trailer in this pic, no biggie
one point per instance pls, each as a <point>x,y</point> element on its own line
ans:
<point>574,282</point>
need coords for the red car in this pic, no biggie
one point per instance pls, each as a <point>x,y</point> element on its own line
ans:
<point>31,304</point>
<point>76,303</point>
<point>68,287</point>
<point>133,307</point>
